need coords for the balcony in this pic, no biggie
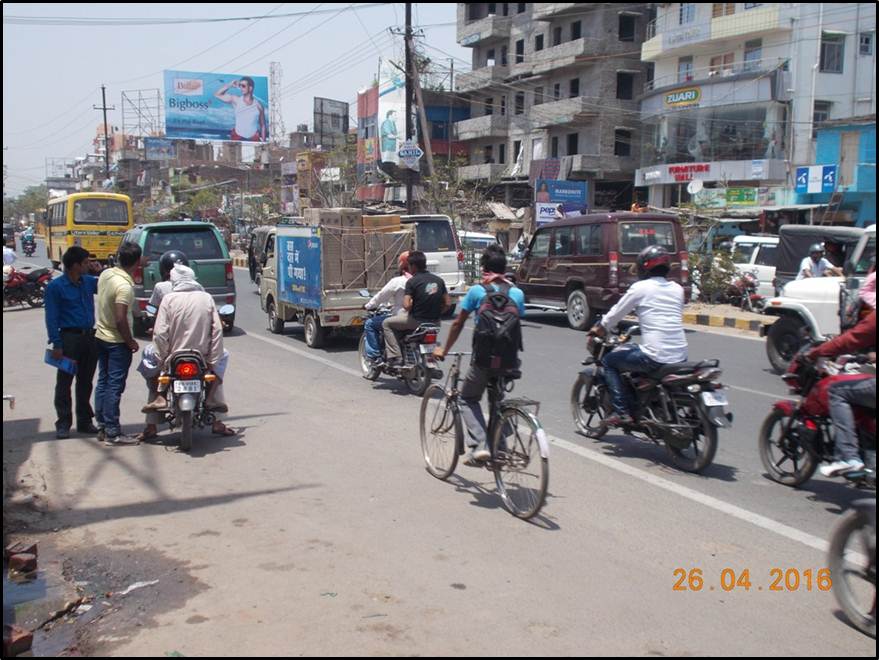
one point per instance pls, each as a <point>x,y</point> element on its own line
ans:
<point>546,11</point>
<point>481,78</point>
<point>491,27</point>
<point>482,127</point>
<point>600,166</point>
<point>576,111</point>
<point>483,172</point>
<point>665,36</point>
<point>715,73</point>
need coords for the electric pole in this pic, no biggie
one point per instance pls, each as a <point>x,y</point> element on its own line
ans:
<point>409,89</point>
<point>104,107</point>
<point>451,91</point>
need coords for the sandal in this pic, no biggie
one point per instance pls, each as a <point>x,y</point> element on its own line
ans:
<point>227,432</point>
<point>143,436</point>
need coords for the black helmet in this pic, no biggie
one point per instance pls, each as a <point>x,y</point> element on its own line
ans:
<point>168,260</point>
<point>816,247</point>
<point>652,258</point>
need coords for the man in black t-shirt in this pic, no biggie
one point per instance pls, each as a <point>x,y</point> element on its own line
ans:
<point>425,301</point>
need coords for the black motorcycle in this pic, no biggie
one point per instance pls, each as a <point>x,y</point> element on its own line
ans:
<point>680,405</point>
<point>418,368</point>
<point>852,564</point>
<point>29,247</point>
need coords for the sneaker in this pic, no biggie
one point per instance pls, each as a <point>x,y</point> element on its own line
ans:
<point>616,421</point>
<point>841,467</point>
<point>477,456</point>
<point>88,429</point>
<point>122,439</point>
<point>62,434</point>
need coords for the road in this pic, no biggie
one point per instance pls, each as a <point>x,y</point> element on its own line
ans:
<point>317,531</point>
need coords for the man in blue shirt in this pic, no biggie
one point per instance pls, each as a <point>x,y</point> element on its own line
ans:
<point>70,321</point>
<point>494,265</point>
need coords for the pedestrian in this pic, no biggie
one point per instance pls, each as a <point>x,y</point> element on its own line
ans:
<point>70,320</point>
<point>114,340</point>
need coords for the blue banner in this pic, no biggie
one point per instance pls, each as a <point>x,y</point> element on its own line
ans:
<point>299,281</point>
<point>816,179</point>
<point>160,149</point>
<point>551,190</point>
<point>216,106</point>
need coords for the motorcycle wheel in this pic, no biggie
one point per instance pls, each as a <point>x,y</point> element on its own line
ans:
<point>699,454</point>
<point>854,582</point>
<point>186,431</point>
<point>773,439</point>
<point>589,407</point>
<point>419,381</point>
<point>367,368</point>
<point>36,298</point>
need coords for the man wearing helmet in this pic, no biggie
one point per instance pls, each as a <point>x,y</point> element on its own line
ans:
<point>816,265</point>
<point>659,304</point>
<point>166,264</point>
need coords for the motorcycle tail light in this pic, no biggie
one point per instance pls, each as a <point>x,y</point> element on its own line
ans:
<point>811,425</point>
<point>429,339</point>
<point>186,370</point>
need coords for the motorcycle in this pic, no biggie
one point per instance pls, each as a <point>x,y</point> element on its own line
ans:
<point>21,287</point>
<point>187,382</point>
<point>418,368</point>
<point>801,433</point>
<point>29,247</point>
<point>743,293</point>
<point>680,405</point>
<point>852,563</point>
<point>226,313</point>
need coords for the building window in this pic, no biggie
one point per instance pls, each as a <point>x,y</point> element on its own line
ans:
<point>492,8</point>
<point>488,154</point>
<point>722,65</point>
<point>753,54</point>
<point>626,31</point>
<point>622,143</point>
<point>537,149</point>
<point>538,42</point>
<point>573,144</point>
<point>489,106</point>
<point>520,51</point>
<point>832,52</point>
<point>574,88</point>
<point>554,147</point>
<point>503,106</point>
<point>866,40</point>
<point>520,7</point>
<point>505,8</point>
<point>489,57</point>
<point>520,103</point>
<point>472,11</point>
<point>576,30</point>
<point>502,153</point>
<point>517,147</point>
<point>557,91</point>
<point>556,36</point>
<point>504,56</point>
<point>719,9</point>
<point>687,13</point>
<point>820,113</point>
<point>538,95</point>
<point>625,85</point>
<point>752,5</point>
<point>685,68</point>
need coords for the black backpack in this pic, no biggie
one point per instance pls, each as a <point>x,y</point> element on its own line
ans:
<point>497,339</point>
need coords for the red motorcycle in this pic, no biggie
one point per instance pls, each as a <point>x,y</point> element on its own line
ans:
<point>797,436</point>
<point>21,287</point>
<point>743,293</point>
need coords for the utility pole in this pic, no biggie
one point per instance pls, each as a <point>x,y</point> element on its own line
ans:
<point>104,107</point>
<point>409,86</point>
<point>451,91</point>
<point>425,133</point>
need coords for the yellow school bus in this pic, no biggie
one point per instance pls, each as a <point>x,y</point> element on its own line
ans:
<point>95,221</point>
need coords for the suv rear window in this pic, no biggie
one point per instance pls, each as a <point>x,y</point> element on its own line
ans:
<point>195,243</point>
<point>435,236</point>
<point>635,236</point>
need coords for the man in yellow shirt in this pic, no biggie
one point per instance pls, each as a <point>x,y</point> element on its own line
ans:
<point>115,343</point>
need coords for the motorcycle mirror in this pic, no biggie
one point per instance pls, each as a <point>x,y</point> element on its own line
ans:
<point>150,309</point>
<point>227,310</point>
<point>364,293</point>
<point>634,331</point>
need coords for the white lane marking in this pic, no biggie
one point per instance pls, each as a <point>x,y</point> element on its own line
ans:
<point>706,500</point>
<point>766,394</point>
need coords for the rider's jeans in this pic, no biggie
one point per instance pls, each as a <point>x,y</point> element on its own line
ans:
<point>373,328</point>
<point>471,395</point>
<point>843,396</point>
<point>628,357</point>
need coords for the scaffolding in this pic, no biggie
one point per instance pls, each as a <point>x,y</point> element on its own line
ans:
<point>142,113</point>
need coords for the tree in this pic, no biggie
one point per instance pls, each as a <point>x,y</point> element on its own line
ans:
<point>32,200</point>
<point>449,195</point>
<point>203,200</point>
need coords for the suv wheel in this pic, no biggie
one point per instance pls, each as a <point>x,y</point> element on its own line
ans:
<point>579,314</point>
<point>784,339</point>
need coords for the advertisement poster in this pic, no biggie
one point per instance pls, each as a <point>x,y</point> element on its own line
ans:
<point>549,190</point>
<point>391,114</point>
<point>160,149</point>
<point>299,280</point>
<point>545,212</point>
<point>216,106</point>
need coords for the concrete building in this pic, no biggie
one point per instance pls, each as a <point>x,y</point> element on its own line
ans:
<point>736,91</point>
<point>553,90</point>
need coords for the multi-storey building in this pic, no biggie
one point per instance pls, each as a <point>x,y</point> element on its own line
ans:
<point>736,91</point>
<point>553,89</point>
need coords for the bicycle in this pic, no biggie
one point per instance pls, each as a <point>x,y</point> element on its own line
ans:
<point>518,444</point>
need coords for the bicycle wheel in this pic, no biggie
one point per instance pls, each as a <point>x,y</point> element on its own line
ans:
<point>441,432</point>
<point>520,472</point>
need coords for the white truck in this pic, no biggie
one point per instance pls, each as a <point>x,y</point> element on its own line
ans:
<point>814,307</point>
<point>314,273</point>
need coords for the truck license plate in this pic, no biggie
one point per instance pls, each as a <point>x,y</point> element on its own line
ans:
<point>712,399</point>
<point>187,386</point>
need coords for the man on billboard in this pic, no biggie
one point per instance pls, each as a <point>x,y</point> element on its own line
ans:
<point>250,114</point>
<point>389,137</point>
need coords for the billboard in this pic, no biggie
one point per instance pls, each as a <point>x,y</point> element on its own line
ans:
<point>299,267</point>
<point>391,115</point>
<point>160,149</point>
<point>816,179</point>
<point>550,190</point>
<point>216,106</point>
<point>330,122</point>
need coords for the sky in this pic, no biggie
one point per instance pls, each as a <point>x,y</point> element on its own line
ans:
<point>52,73</point>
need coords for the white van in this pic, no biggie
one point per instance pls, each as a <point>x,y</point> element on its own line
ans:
<point>436,236</point>
<point>476,241</point>
<point>757,254</point>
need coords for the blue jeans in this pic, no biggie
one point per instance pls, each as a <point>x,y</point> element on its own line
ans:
<point>373,330</point>
<point>114,361</point>
<point>629,357</point>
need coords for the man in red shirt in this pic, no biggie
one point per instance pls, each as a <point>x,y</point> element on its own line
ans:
<point>848,393</point>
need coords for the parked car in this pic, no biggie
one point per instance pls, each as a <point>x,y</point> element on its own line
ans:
<point>584,265</point>
<point>436,236</point>
<point>9,235</point>
<point>757,254</point>
<point>203,246</point>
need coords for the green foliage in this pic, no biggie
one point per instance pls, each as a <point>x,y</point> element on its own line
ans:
<point>713,273</point>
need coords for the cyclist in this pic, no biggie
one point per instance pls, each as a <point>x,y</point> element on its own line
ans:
<point>659,304</point>
<point>494,264</point>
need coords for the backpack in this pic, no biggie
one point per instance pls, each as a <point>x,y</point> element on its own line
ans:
<point>497,339</point>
